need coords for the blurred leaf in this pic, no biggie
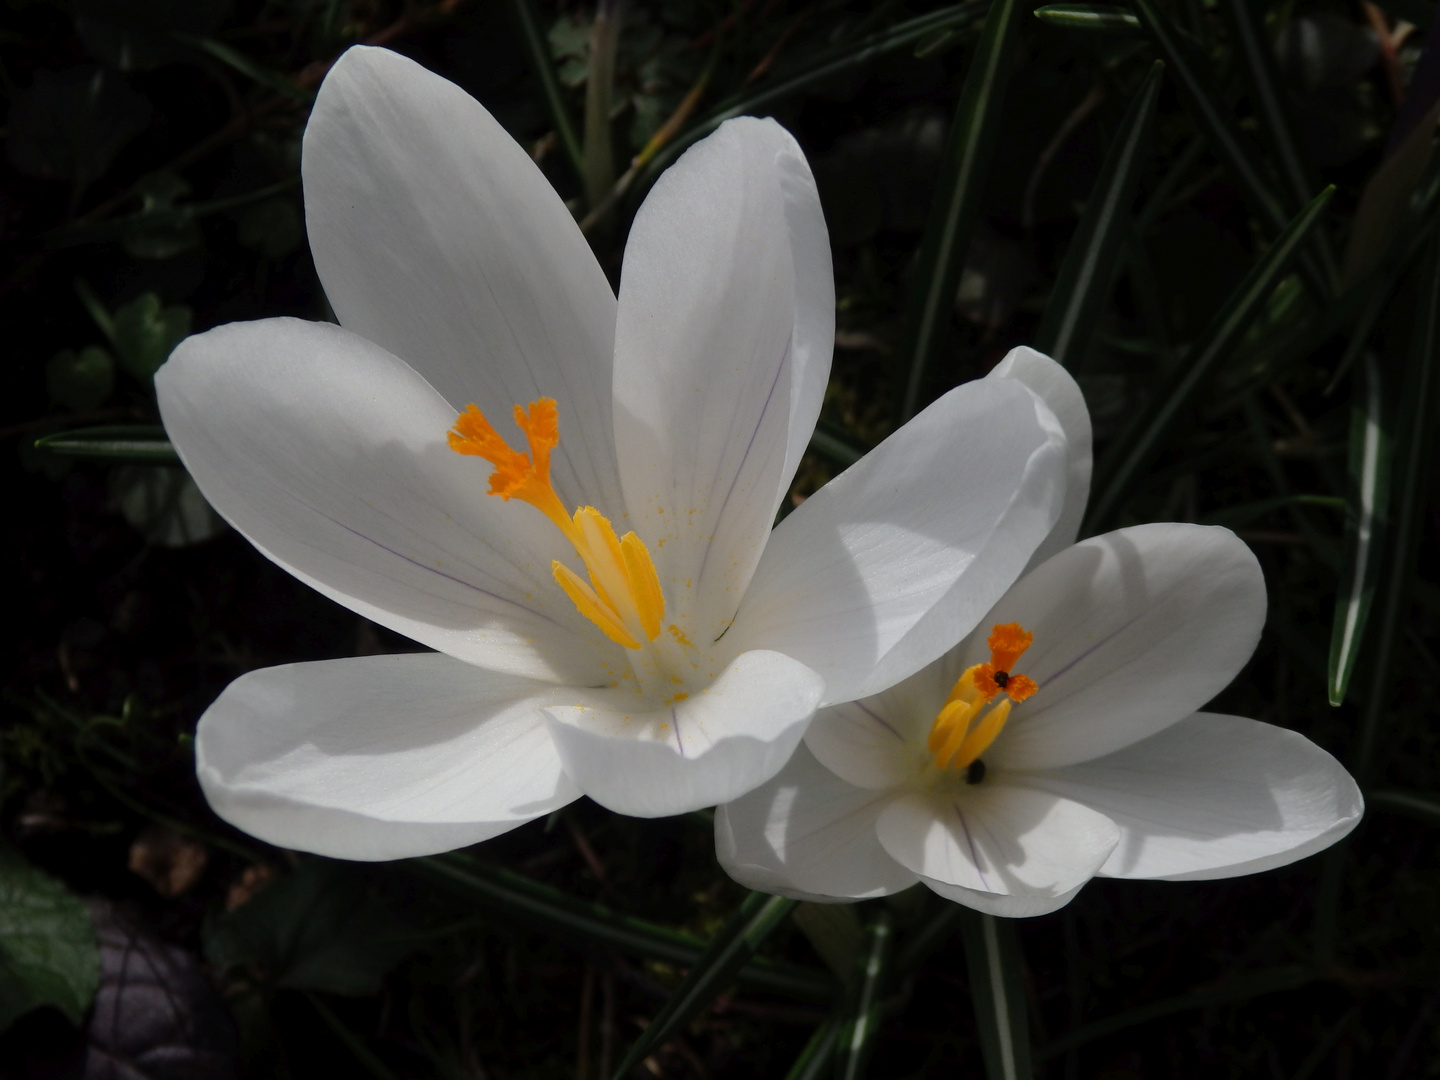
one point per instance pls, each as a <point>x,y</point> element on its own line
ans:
<point>1238,988</point>
<point>1386,202</point>
<point>321,927</point>
<point>158,232</point>
<point>855,1039</point>
<point>836,444</point>
<point>70,124</point>
<point>1083,285</point>
<point>553,912</point>
<point>997,990</point>
<point>146,332</point>
<point>816,1059</point>
<point>1409,803</point>
<point>1413,463</point>
<point>834,931</point>
<point>273,228</point>
<point>135,35</point>
<point>729,951</point>
<point>239,62</point>
<point>1370,452</point>
<point>1319,48</point>
<point>956,204</point>
<point>80,381</point>
<point>1122,464</point>
<point>540,62</point>
<point>48,953</point>
<point>156,1014</point>
<point>1105,17</point>
<point>363,1054</point>
<point>133,442</point>
<point>164,505</point>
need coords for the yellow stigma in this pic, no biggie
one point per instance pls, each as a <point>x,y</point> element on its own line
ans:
<point>963,729</point>
<point>623,596</point>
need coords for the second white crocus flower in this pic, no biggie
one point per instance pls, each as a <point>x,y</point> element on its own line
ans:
<point>570,499</point>
<point>1060,740</point>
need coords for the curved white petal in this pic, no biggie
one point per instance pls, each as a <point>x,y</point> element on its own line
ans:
<point>437,237</point>
<point>1134,631</point>
<point>1214,796</point>
<point>867,745</point>
<point>893,561</point>
<point>379,757</point>
<point>997,837</point>
<point>809,835</point>
<point>1060,391</point>
<point>329,455</point>
<point>712,746</point>
<point>722,348</point>
<point>1023,906</point>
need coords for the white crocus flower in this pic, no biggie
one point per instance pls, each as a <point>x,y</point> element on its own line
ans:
<point>1057,742</point>
<point>612,615</point>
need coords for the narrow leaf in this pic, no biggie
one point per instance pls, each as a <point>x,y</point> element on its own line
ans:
<point>1104,17</point>
<point>239,62</point>
<point>973,135</point>
<point>362,1053</point>
<point>715,970</point>
<point>1420,398</point>
<point>992,958</point>
<point>1206,106</point>
<point>1088,272</point>
<point>1122,465</point>
<point>1411,804</point>
<point>544,69</point>
<point>1370,451</point>
<point>844,57</point>
<point>816,1059</point>
<point>598,153</point>
<point>1267,97</point>
<point>856,1038</point>
<point>143,443</point>
<point>530,903</point>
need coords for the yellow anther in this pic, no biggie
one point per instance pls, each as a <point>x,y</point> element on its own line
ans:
<point>623,596</point>
<point>964,728</point>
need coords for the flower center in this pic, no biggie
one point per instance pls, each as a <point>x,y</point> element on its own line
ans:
<point>623,596</point>
<point>968,723</point>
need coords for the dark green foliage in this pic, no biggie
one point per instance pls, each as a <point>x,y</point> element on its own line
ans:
<point>1130,218</point>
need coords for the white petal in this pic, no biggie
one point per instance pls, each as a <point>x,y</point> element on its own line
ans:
<point>437,237</point>
<point>329,454</point>
<point>722,349</point>
<point>1214,796</point>
<point>1134,631</point>
<point>810,835</point>
<point>860,742</point>
<point>893,561</point>
<point>1055,385</point>
<point>1023,906</point>
<point>713,746</point>
<point>379,757</point>
<point>999,838</point>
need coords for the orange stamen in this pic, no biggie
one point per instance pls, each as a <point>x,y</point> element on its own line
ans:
<point>965,728</point>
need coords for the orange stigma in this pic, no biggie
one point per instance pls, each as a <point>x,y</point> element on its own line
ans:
<point>960,733</point>
<point>623,596</point>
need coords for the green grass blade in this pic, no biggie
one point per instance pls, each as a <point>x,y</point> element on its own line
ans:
<point>1409,803</point>
<point>824,65</point>
<point>132,442</point>
<point>992,958</point>
<point>715,970</point>
<point>1103,17</point>
<point>817,1059</point>
<point>1370,452</point>
<point>1088,272</point>
<point>597,149</point>
<point>237,61</point>
<point>1122,465</point>
<point>544,68</point>
<point>1267,97</point>
<point>1206,106</point>
<point>1412,464</point>
<point>973,135</point>
<point>362,1053</point>
<point>856,1039</point>
<point>550,911</point>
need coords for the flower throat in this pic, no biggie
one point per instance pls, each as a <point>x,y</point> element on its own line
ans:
<point>623,596</point>
<point>961,733</point>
